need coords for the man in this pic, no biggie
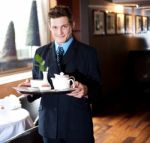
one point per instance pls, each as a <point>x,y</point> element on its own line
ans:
<point>66,117</point>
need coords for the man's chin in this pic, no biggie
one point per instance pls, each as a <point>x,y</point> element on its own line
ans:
<point>61,41</point>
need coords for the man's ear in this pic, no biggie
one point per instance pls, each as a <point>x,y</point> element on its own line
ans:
<point>73,25</point>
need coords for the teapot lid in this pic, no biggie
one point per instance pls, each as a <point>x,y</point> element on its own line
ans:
<point>61,75</point>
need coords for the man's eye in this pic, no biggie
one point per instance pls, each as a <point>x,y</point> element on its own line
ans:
<point>54,28</point>
<point>65,26</point>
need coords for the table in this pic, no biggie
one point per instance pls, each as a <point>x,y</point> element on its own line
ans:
<point>13,122</point>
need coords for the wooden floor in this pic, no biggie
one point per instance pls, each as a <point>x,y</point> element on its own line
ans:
<point>123,127</point>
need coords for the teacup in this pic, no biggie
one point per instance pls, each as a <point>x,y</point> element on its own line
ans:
<point>39,83</point>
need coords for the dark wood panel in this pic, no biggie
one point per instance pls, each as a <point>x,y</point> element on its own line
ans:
<point>113,56</point>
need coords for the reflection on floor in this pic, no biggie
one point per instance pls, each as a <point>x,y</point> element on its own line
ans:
<point>123,124</point>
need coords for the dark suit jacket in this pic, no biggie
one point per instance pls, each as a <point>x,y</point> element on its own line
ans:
<point>62,116</point>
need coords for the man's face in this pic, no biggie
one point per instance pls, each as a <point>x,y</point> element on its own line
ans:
<point>61,29</point>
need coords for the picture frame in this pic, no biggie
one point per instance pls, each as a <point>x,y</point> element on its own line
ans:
<point>128,24</point>
<point>99,22</point>
<point>120,28</point>
<point>145,23</point>
<point>110,23</point>
<point>138,24</point>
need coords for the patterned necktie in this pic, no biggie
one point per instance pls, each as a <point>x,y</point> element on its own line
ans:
<point>60,53</point>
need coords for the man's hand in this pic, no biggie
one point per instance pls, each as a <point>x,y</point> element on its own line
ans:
<point>26,83</point>
<point>80,90</point>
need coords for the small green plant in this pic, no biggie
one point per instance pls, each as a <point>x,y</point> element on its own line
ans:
<point>41,63</point>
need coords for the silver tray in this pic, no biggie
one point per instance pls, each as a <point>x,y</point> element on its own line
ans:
<point>34,90</point>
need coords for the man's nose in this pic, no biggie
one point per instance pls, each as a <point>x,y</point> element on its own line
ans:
<point>60,31</point>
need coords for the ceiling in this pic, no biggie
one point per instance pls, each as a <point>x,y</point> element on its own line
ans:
<point>142,4</point>
<point>139,2</point>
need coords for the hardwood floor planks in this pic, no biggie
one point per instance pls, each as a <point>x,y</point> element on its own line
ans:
<point>122,128</point>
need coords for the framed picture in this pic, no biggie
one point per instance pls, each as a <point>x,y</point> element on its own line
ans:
<point>145,23</point>
<point>99,22</point>
<point>120,23</point>
<point>138,24</point>
<point>110,23</point>
<point>128,24</point>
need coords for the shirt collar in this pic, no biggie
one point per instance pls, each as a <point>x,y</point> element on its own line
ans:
<point>64,45</point>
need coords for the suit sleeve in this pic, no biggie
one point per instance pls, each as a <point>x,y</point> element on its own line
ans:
<point>87,71</point>
<point>93,80</point>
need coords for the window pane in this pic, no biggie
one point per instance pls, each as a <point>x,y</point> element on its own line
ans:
<point>15,16</point>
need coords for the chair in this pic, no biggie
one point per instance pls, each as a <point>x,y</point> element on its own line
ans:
<point>32,107</point>
<point>29,136</point>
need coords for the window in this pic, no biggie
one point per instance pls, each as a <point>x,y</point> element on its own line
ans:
<point>15,16</point>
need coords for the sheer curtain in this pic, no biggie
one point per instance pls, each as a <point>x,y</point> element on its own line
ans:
<point>18,12</point>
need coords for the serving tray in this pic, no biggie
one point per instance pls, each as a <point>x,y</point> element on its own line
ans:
<point>34,90</point>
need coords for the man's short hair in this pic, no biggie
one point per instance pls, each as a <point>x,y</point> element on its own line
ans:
<point>60,11</point>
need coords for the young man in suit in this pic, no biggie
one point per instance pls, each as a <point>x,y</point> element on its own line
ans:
<point>66,117</point>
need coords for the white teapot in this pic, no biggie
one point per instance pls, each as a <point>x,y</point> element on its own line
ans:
<point>62,81</point>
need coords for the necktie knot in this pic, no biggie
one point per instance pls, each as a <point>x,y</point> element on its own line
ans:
<point>60,51</point>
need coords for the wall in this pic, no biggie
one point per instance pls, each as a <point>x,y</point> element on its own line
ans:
<point>113,51</point>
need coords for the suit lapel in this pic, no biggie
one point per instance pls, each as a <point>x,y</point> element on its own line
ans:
<point>70,52</point>
<point>51,61</point>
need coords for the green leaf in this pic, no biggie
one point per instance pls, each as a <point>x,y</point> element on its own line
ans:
<point>41,62</point>
<point>38,58</point>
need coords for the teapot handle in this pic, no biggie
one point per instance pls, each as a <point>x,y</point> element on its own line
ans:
<point>73,82</point>
<point>72,77</point>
